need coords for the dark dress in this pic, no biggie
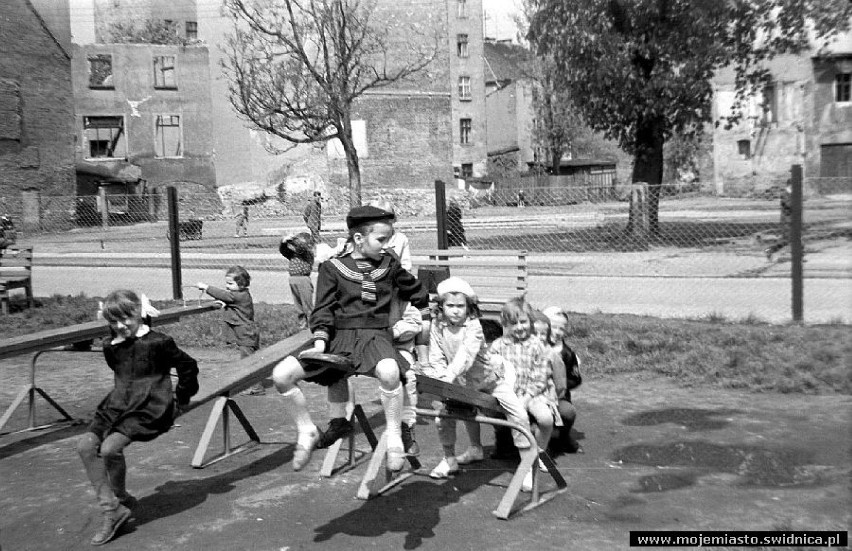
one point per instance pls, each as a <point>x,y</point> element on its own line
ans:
<point>352,312</point>
<point>141,405</point>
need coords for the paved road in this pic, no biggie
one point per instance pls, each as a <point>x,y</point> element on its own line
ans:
<point>826,300</point>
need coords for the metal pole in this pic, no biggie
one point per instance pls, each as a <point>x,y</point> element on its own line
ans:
<point>441,213</point>
<point>796,248</point>
<point>174,232</point>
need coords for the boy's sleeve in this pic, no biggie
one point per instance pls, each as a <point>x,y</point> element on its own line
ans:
<point>405,255</point>
<point>221,294</point>
<point>322,317</point>
<point>411,290</point>
<point>186,367</point>
<point>573,378</point>
<point>559,377</point>
<point>409,326</point>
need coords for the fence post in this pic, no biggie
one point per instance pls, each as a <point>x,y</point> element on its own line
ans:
<point>441,213</point>
<point>796,248</point>
<point>174,242</point>
<point>102,199</point>
<point>639,223</point>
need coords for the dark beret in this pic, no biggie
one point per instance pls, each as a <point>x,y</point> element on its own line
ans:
<point>366,214</point>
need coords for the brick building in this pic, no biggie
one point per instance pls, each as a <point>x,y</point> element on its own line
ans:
<point>36,107</point>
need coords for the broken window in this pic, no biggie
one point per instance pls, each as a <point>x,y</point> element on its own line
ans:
<point>168,137</point>
<point>164,72</point>
<point>461,45</point>
<point>100,71</point>
<point>467,170</point>
<point>843,87</point>
<point>464,130</point>
<point>104,137</point>
<point>192,30</point>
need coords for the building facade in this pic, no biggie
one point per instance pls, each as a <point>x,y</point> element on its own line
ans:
<point>802,116</point>
<point>36,107</point>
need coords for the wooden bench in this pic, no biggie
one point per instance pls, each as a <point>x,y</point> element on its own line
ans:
<point>49,340</point>
<point>16,271</point>
<point>496,276</point>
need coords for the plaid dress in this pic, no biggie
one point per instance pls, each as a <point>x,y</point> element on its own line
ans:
<point>531,363</point>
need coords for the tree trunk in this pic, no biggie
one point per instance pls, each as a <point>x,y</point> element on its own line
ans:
<point>352,164</point>
<point>648,167</point>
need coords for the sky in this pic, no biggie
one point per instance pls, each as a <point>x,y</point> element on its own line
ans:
<point>498,20</point>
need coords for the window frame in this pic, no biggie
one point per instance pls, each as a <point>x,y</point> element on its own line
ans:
<point>843,87</point>
<point>161,71</point>
<point>194,30</point>
<point>122,137</point>
<point>464,88</point>
<point>159,139</point>
<point>744,149</point>
<point>465,130</point>
<point>461,12</point>
<point>462,45</point>
<point>466,171</point>
<point>110,77</point>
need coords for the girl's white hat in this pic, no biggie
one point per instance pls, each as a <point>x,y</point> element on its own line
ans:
<point>455,284</point>
<point>553,312</point>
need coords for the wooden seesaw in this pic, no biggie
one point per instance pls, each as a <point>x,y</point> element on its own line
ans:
<point>461,403</point>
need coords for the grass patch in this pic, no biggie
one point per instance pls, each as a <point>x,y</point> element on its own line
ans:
<point>712,351</point>
<point>276,321</point>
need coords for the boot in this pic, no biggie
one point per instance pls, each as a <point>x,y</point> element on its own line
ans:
<point>111,521</point>
<point>337,428</point>
<point>408,442</point>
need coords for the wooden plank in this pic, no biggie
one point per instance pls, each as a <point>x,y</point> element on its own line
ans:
<point>450,391</point>
<point>52,338</point>
<point>471,252</point>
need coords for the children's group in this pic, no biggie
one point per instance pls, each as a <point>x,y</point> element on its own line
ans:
<point>369,309</point>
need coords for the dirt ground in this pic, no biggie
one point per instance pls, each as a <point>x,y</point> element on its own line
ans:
<point>657,457</point>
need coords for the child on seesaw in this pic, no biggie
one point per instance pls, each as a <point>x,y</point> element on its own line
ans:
<point>531,363</point>
<point>238,316</point>
<point>567,376</point>
<point>141,407</point>
<point>458,354</point>
<point>351,319</point>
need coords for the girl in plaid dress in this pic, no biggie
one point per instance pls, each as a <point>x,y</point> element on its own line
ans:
<point>529,360</point>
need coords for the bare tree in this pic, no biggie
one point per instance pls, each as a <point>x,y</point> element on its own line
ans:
<point>297,66</point>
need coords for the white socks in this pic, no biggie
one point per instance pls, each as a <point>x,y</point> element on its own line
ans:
<point>297,406</point>
<point>392,404</point>
<point>409,416</point>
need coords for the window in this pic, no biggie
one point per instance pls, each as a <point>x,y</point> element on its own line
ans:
<point>462,8</point>
<point>744,149</point>
<point>461,45</point>
<point>843,87</point>
<point>104,137</point>
<point>168,141</point>
<point>164,72</point>
<point>100,71</point>
<point>464,88</point>
<point>464,131</point>
<point>467,170</point>
<point>769,105</point>
<point>192,30</point>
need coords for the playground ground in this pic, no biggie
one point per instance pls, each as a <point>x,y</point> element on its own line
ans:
<point>657,457</point>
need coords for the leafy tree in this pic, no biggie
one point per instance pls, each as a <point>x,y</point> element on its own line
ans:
<point>640,70</point>
<point>297,66</point>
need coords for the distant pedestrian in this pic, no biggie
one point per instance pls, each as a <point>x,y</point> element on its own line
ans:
<point>784,223</point>
<point>141,407</point>
<point>313,216</point>
<point>242,222</point>
<point>455,228</point>
<point>522,201</point>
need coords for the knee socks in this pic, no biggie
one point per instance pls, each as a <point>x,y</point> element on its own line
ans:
<point>297,407</point>
<point>392,404</point>
<point>409,416</point>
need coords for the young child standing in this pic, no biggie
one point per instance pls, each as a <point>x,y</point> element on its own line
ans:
<point>458,354</point>
<point>532,368</point>
<point>351,318</point>
<point>238,315</point>
<point>242,222</point>
<point>298,249</point>
<point>141,407</point>
<point>566,375</point>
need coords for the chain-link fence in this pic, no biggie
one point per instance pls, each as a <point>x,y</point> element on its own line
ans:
<point>583,230</point>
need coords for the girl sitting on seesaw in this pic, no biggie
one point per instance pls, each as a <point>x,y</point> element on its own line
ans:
<point>351,319</point>
<point>141,407</point>
<point>531,363</point>
<point>458,354</point>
